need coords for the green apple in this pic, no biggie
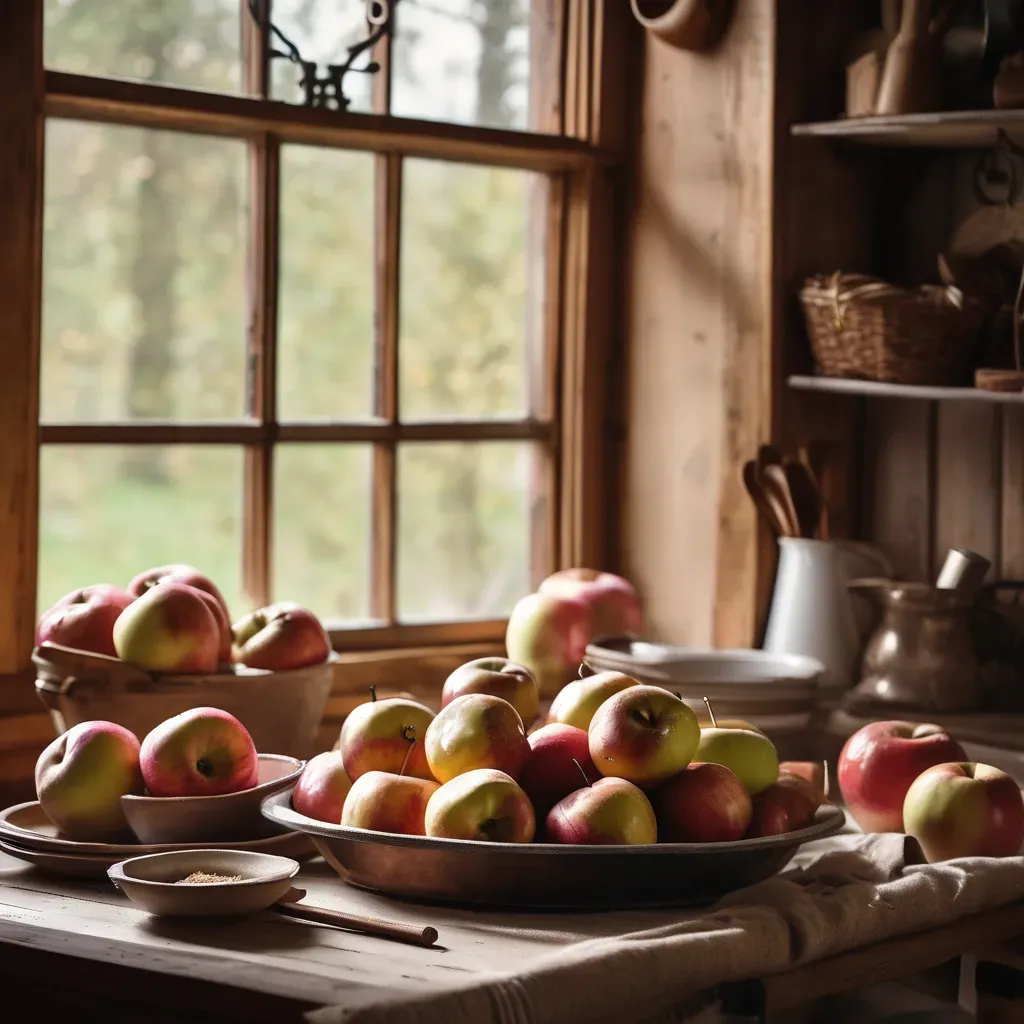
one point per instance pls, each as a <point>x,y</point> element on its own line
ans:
<point>750,755</point>
<point>577,701</point>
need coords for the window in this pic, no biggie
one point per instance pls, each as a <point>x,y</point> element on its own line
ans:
<point>345,358</point>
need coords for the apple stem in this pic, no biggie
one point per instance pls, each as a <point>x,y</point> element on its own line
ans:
<point>711,712</point>
<point>373,693</point>
<point>584,670</point>
<point>408,753</point>
<point>824,785</point>
<point>582,772</point>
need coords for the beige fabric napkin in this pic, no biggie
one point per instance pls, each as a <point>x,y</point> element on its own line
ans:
<point>837,894</point>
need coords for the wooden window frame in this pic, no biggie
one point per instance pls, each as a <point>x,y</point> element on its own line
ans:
<point>583,163</point>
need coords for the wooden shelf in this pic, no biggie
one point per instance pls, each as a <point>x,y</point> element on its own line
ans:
<point>872,389</point>
<point>954,129</point>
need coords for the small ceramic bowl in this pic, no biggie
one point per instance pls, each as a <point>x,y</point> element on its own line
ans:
<point>210,819</point>
<point>157,882</point>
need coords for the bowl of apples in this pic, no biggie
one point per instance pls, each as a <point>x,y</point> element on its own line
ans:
<point>618,799</point>
<point>166,643</point>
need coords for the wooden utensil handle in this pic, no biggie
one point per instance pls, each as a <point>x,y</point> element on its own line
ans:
<point>425,936</point>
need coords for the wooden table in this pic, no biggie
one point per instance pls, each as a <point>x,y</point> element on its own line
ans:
<point>65,945</point>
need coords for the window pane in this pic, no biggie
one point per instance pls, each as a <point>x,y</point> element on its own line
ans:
<point>325,304</point>
<point>143,275</point>
<point>108,512</point>
<point>321,30</point>
<point>466,257</point>
<point>322,528</point>
<point>190,43</point>
<point>465,61</point>
<point>463,528</point>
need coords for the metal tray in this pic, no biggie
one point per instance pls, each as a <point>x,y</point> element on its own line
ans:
<point>547,876</point>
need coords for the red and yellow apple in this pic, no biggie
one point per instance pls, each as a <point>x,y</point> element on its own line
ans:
<point>965,810</point>
<point>705,803</point>
<point>177,573</point>
<point>611,812</point>
<point>785,806</point>
<point>500,678</point>
<point>280,637</point>
<point>476,731</point>
<point>611,600</point>
<point>201,752</point>
<point>549,635</point>
<point>880,761</point>
<point>748,753</point>
<point>387,735</point>
<point>811,771</point>
<point>81,777</point>
<point>384,802</point>
<point>558,764</point>
<point>577,701</point>
<point>322,787</point>
<point>644,734</point>
<point>169,629</point>
<point>485,804</point>
<point>84,619</point>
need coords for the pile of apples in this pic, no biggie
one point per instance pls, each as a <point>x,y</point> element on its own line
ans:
<point>82,775</point>
<point>175,619</point>
<point>916,778</point>
<point>616,763</point>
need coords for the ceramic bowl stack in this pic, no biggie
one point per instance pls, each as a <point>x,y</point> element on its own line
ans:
<point>161,825</point>
<point>777,692</point>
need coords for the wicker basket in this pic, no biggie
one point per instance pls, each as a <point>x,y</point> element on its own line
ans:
<point>281,710</point>
<point>864,328</point>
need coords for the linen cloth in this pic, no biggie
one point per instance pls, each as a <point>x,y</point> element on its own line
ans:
<point>836,894</point>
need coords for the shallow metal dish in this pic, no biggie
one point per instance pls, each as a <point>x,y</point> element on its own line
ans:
<point>546,875</point>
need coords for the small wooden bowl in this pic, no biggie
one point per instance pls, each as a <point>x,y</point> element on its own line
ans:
<point>210,819</point>
<point>155,882</point>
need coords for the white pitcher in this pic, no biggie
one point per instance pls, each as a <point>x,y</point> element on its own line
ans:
<point>812,612</point>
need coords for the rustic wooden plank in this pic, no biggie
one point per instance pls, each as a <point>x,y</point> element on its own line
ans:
<point>1012,512</point>
<point>899,491</point>
<point>21,178</point>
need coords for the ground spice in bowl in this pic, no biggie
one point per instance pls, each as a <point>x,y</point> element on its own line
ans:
<point>205,878</point>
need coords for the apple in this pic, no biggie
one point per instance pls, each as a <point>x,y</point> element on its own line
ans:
<point>201,752</point>
<point>178,573</point>
<point>322,787</point>
<point>280,637</point>
<point>784,806</point>
<point>811,771</point>
<point>84,619</point>
<point>81,777</point>
<point>385,802</point>
<point>611,600</point>
<point>387,735</point>
<point>549,635</point>
<point>577,701</point>
<point>749,754</point>
<point>476,731</point>
<point>611,812</point>
<point>484,804</point>
<point>705,803</point>
<point>500,678</point>
<point>644,734</point>
<point>880,761</point>
<point>557,765</point>
<point>965,810</point>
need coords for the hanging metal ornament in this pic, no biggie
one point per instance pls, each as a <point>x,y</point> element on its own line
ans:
<point>323,84</point>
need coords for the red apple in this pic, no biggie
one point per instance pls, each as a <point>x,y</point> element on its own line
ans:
<point>785,806</point>
<point>644,734</point>
<point>549,635</point>
<point>386,735</point>
<point>384,802</point>
<point>485,805</point>
<point>500,678</point>
<point>558,764</point>
<point>178,573</point>
<point>322,787</point>
<point>706,803</point>
<point>84,619</point>
<point>611,812</point>
<point>965,810</point>
<point>280,637</point>
<point>881,760</point>
<point>81,777</point>
<point>202,752</point>
<point>476,731</point>
<point>812,771</point>
<point>577,701</point>
<point>169,629</point>
<point>611,600</point>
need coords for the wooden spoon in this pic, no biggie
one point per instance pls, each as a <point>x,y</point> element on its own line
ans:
<point>806,499</point>
<point>769,508</point>
<point>776,487</point>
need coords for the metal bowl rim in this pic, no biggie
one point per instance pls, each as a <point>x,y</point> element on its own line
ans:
<point>278,809</point>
